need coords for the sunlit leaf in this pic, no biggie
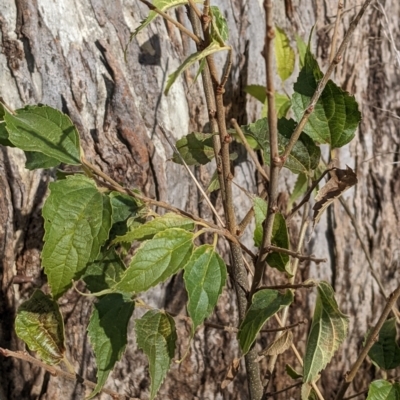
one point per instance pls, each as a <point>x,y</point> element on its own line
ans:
<point>383,390</point>
<point>284,54</point>
<point>219,26</point>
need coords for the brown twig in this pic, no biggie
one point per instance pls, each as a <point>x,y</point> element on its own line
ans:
<point>296,254</point>
<point>195,9</point>
<point>58,372</point>
<point>272,394</point>
<point>335,31</point>
<point>322,83</point>
<point>289,286</point>
<point>368,344</point>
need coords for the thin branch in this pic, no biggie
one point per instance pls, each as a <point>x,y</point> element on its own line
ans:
<point>63,374</point>
<point>272,394</point>
<point>356,395</point>
<point>304,285</point>
<point>296,254</point>
<point>324,81</point>
<point>369,343</point>
<point>195,9</point>
<point>335,32</point>
<point>182,28</point>
<point>250,151</point>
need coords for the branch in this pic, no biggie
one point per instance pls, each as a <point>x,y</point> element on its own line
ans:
<point>335,32</point>
<point>324,81</point>
<point>58,372</point>
<point>349,376</point>
<point>296,254</point>
<point>305,285</point>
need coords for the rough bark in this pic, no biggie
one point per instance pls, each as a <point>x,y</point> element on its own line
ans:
<point>69,54</point>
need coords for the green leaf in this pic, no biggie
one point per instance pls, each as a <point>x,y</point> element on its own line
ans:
<point>77,221</point>
<point>45,130</point>
<point>383,390</point>
<point>292,372</point>
<point>105,272</point>
<point>280,238</point>
<point>205,276</point>
<point>212,48</point>
<point>214,183</point>
<point>284,54</point>
<point>156,336</point>
<point>264,305</point>
<point>335,117</point>
<point>123,206</point>
<point>257,91</point>
<point>4,141</point>
<point>40,325</point>
<point>36,160</point>
<point>156,260</point>
<point>159,224</point>
<point>282,106</point>
<point>299,189</point>
<point>195,148</point>
<point>328,330</point>
<point>107,332</point>
<point>305,154</point>
<point>219,26</point>
<point>385,353</point>
<point>260,207</point>
<point>302,48</point>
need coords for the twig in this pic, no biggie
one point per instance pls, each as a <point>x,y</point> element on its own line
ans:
<point>250,151</point>
<point>182,28</point>
<point>349,376</point>
<point>272,394</point>
<point>324,81</point>
<point>296,254</point>
<point>356,395</point>
<point>58,372</point>
<point>335,32</point>
<point>289,286</point>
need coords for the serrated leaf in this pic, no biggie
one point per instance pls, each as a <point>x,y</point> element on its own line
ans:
<point>105,272</point>
<point>265,304</point>
<point>292,372</point>
<point>219,26</point>
<point>212,48</point>
<point>385,353</point>
<point>205,276</point>
<point>335,117</point>
<point>260,207</point>
<point>107,332</point>
<point>40,325</point>
<point>383,390</point>
<point>156,260</point>
<point>284,54</point>
<point>305,154</point>
<point>45,130</point>
<point>195,148</point>
<point>159,224</point>
<point>328,331</point>
<point>77,221</point>
<point>257,91</point>
<point>156,336</point>
<point>279,238</point>
<point>279,345</point>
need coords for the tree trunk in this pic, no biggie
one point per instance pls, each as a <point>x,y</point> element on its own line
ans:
<point>70,55</point>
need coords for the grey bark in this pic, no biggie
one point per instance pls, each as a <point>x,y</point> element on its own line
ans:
<point>69,54</point>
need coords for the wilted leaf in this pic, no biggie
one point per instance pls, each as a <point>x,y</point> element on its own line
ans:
<point>156,336</point>
<point>383,390</point>
<point>264,305</point>
<point>328,330</point>
<point>107,332</point>
<point>40,325</point>
<point>232,372</point>
<point>205,276</point>
<point>284,54</point>
<point>279,346</point>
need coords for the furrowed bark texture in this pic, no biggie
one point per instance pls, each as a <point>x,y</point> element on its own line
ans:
<point>69,54</point>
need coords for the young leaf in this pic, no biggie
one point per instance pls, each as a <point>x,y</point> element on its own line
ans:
<point>328,330</point>
<point>213,47</point>
<point>335,117</point>
<point>219,26</point>
<point>264,305</point>
<point>107,332</point>
<point>105,272</point>
<point>159,224</point>
<point>302,49</point>
<point>40,325</point>
<point>156,336</point>
<point>45,130</point>
<point>156,260</point>
<point>257,91</point>
<point>284,54</point>
<point>383,390</point>
<point>195,148</point>
<point>260,207</point>
<point>77,220</point>
<point>385,353</point>
<point>205,276</point>
<point>340,181</point>
<point>280,238</point>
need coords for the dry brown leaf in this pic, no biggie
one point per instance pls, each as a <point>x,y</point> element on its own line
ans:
<point>232,372</point>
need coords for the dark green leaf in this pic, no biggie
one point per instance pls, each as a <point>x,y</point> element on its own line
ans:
<point>4,141</point>
<point>107,332</point>
<point>385,353</point>
<point>40,325</point>
<point>284,54</point>
<point>77,223</point>
<point>260,211</point>
<point>292,372</point>
<point>205,276</point>
<point>384,390</point>
<point>36,160</point>
<point>335,117</point>
<point>156,260</point>
<point>195,148</point>
<point>265,304</point>
<point>156,336</point>
<point>280,238</point>
<point>45,130</point>
<point>328,330</point>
